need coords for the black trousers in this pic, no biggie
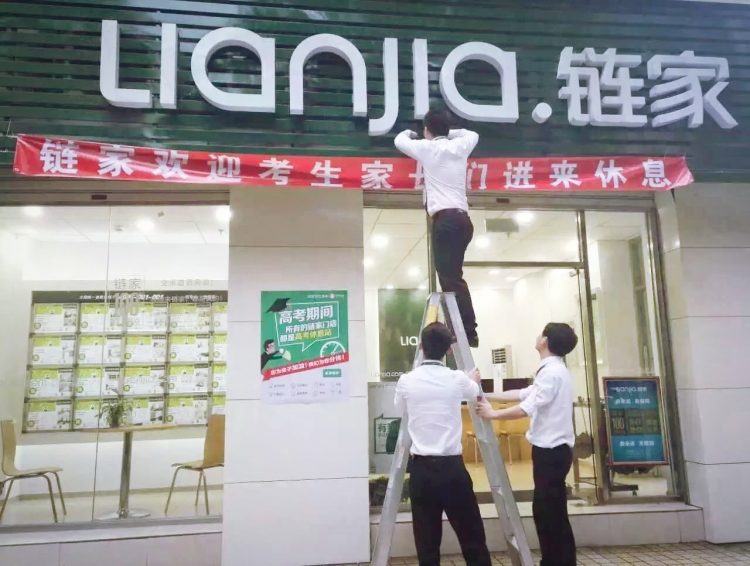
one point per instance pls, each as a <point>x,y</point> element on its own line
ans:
<point>550,506</point>
<point>452,231</point>
<point>437,484</point>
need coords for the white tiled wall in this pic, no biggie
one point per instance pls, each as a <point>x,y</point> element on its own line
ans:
<point>706,246</point>
<point>296,476</point>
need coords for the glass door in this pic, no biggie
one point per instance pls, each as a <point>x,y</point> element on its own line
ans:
<point>513,306</point>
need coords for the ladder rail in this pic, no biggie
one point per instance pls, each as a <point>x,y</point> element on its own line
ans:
<point>502,493</point>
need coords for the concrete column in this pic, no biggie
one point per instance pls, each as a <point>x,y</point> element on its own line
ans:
<point>296,476</point>
<point>706,251</point>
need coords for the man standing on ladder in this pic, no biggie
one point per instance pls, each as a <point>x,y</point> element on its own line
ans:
<point>432,396</point>
<point>549,403</point>
<point>443,155</point>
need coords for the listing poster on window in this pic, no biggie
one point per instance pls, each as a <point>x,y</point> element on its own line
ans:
<point>95,381</point>
<point>186,410</point>
<point>220,319</point>
<point>304,346</point>
<point>190,317</point>
<point>219,378</point>
<point>144,380</point>
<point>87,414</point>
<point>219,353</point>
<point>189,348</point>
<point>145,411</point>
<point>145,349</point>
<point>99,349</point>
<point>53,350</point>
<point>54,317</point>
<point>49,383</point>
<point>48,415</point>
<point>188,378</point>
<point>100,318</point>
<point>148,317</point>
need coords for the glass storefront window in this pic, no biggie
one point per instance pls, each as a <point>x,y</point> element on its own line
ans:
<point>627,341</point>
<point>117,361</point>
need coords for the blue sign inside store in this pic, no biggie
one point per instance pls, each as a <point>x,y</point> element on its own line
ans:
<point>634,421</point>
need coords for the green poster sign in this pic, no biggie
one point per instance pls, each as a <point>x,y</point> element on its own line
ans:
<point>304,345</point>
<point>400,317</point>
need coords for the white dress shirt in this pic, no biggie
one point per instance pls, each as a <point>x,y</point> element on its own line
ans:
<point>432,395</point>
<point>443,161</point>
<point>549,403</point>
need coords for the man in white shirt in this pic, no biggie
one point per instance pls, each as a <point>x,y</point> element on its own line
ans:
<point>432,396</point>
<point>549,403</point>
<point>443,154</point>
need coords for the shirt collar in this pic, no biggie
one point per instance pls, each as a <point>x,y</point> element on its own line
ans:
<point>551,360</point>
<point>432,363</point>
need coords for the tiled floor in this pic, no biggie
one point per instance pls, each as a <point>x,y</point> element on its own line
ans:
<point>650,555</point>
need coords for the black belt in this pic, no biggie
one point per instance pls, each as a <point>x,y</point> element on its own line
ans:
<point>420,457</point>
<point>451,210</point>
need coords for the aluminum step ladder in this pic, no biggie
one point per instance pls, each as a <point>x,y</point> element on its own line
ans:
<point>502,494</point>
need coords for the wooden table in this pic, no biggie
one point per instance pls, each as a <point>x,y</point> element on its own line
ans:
<point>124,511</point>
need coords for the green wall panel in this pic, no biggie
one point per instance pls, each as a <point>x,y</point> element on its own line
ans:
<point>49,73</point>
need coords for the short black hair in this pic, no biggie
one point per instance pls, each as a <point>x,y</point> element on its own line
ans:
<point>437,121</point>
<point>267,343</point>
<point>436,340</point>
<point>561,338</point>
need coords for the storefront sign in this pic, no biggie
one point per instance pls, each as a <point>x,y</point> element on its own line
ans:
<point>634,421</point>
<point>56,157</point>
<point>304,346</point>
<point>597,86</point>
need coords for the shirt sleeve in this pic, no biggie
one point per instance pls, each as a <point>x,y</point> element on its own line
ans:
<point>407,145</point>
<point>400,398</point>
<point>541,393</point>
<point>465,140</point>
<point>470,390</point>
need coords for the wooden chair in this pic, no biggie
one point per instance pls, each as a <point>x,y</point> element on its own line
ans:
<point>509,430</point>
<point>213,457</point>
<point>8,467</point>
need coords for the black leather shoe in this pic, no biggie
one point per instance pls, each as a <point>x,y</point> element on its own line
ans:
<point>473,341</point>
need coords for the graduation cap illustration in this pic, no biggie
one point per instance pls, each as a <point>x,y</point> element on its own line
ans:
<point>278,305</point>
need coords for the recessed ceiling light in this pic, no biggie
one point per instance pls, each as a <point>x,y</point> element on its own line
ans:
<point>524,217</point>
<point>223,213</point>
<point>413,272</point>
<point>33,211</point>
<point>422,286</point>
<point>494,272</point>
<point>379,241</point>
<point>368,262</point>
<point>389,286</point>
<point>145,224</point>
<point>482,242</point>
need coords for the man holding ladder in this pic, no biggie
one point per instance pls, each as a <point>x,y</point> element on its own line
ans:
<point>432,396</point>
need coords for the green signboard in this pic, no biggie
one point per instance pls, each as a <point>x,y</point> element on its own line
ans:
<point>400,317</point>
<point>304,346</point>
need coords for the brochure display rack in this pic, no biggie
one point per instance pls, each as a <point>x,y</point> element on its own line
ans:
<point>163,354</point>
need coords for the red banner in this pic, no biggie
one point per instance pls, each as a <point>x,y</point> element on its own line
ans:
<point>54,157</point>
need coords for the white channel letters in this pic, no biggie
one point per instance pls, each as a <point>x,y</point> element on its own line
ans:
<point>600,88</point>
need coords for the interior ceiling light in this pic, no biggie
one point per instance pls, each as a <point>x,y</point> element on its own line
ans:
<point>33,211</point>
<point>494,272</point>
<point>482,242</point>
<point>145,225</point>
<point>524,217</point>
<point>379,241</point>
<point>368,262</point>
<point>223,213</point>
<point>414,272</point>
